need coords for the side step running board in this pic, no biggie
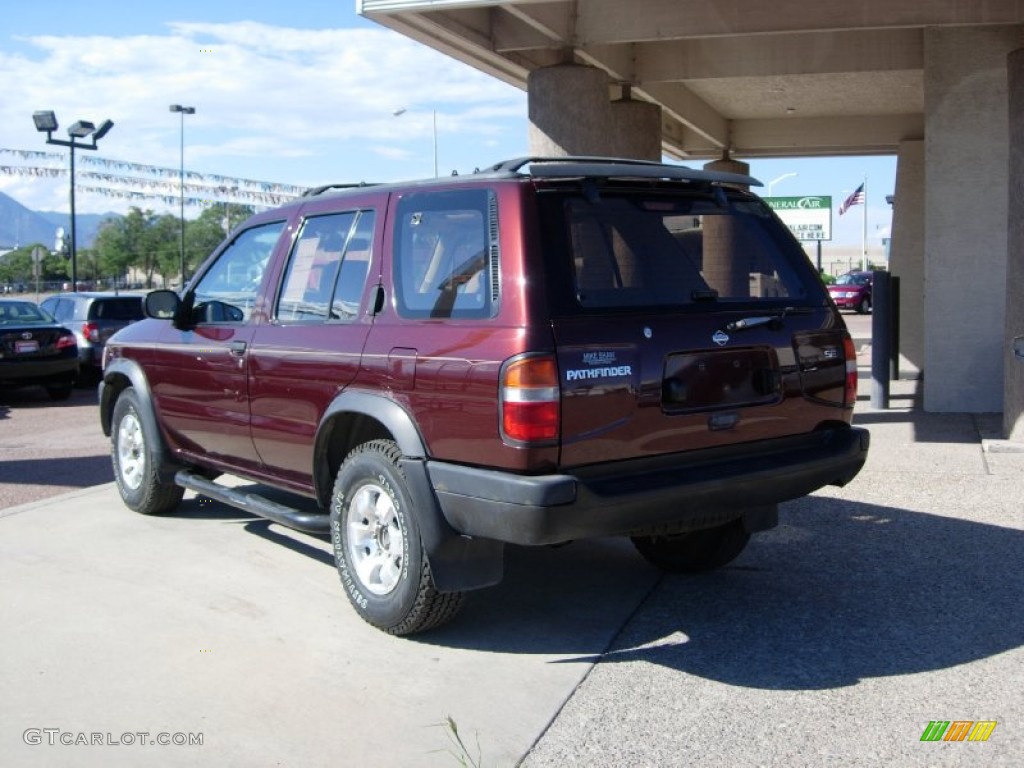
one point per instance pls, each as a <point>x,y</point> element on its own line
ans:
<point>308,522</point>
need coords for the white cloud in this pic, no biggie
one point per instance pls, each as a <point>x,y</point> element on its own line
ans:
<point>274,103</point>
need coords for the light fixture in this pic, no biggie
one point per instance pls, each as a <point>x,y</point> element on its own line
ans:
<point>100,132</point>
<point>775,181</point>
<point>81,128</point>
<point>45,121</point>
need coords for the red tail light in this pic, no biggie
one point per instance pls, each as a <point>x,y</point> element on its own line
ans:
<point>530,409</point>
<point>850,352</point>
<point>65,341</point>
<point>91,332</point>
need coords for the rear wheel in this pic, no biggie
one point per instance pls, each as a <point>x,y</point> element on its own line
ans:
<point>377,545</point>
<point>133,455</point>
<point>696,550</point>
<point>864,306</point>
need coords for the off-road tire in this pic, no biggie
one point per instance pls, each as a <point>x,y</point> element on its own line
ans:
<point>377,546</point>
<point>694,551</point>
<point>134,458</point>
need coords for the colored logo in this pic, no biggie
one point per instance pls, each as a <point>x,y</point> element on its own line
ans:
<point>958,730</point>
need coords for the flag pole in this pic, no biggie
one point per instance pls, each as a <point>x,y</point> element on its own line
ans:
<point>864,229</point>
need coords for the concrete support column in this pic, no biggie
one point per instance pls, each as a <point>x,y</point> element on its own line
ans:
<point>1013,390</point>
<point>906,255</point>
<point>569,112</point>
<point>966,157</point>
<point>637,129</point>
<point>723,238</point>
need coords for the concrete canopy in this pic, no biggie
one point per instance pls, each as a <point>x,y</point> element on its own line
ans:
<point>762,79</point>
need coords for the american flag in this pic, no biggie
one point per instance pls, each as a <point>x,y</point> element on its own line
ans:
<point>857,198</point>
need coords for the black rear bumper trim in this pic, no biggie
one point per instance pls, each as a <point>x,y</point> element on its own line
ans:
<point>684,490</point>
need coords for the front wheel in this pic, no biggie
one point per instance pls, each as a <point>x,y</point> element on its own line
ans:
<point>133,454</point>
<point>694,551</point>
<point>377,545</point>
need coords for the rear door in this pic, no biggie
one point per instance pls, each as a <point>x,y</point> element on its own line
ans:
<point>690,323</point>
<point>311,348</point>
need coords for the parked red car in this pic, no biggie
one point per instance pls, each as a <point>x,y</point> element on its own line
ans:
<point>852,291</point>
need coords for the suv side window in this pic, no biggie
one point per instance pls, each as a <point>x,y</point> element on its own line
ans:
<point>227,291</point>
<point>446,254</point>
<point>61,309</point>
<point>327,269</point>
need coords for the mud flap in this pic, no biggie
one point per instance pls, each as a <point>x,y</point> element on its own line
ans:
<point>457,563</point>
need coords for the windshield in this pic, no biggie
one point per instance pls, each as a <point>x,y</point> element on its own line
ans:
<point>644,249</point>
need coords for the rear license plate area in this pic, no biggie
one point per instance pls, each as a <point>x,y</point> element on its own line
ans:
<point>720,379</point>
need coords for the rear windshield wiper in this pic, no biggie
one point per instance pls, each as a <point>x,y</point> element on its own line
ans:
<point>776,320</point>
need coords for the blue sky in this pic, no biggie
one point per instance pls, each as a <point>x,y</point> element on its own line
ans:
<point>300,92</point>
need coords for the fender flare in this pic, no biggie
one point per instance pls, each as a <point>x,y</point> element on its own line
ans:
<point>392,416</point>
<point>457,562</point>
<point>137,380</point>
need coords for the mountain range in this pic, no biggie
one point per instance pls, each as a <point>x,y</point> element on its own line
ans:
<point>21,226</point>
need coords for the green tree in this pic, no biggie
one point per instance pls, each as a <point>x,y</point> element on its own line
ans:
<point>16,267</point>
<point>163,241</point>
<point>140,240</point>
<point>119,243</point>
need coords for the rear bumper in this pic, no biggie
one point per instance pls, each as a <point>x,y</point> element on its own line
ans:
<point>847,303</point>
<point>679,492</point>
<point>55,370</point>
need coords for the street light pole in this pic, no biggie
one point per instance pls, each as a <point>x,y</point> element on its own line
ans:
<point>433,116</point>
<point>46,122</point>
<point>181,188</point>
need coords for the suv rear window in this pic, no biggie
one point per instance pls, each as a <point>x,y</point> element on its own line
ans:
<point>648,250</point>
<point>127,308</point>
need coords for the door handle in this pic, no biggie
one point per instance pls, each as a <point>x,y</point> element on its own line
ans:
<point>237,348</point>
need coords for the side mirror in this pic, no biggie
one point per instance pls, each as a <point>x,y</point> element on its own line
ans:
<point>162,304</point>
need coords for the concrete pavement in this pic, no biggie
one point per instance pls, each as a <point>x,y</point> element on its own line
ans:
<point>834,639</point>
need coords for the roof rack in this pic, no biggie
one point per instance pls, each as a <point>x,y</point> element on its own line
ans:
<point>618,167</point>
<point>314,191</point>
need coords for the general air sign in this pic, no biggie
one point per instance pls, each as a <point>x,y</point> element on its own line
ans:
<point>808,217</point>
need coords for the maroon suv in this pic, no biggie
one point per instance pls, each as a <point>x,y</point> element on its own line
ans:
<point>543,351</point>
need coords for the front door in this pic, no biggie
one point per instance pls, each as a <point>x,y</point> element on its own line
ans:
<point>200,375</point>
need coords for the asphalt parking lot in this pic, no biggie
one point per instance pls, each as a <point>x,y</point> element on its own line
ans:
<point>833,640</point>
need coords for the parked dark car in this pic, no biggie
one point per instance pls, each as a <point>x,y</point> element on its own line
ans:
<point>852,291</point>
<point>544,351</point>
<point>36,349</point>
<point>94,317</point>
